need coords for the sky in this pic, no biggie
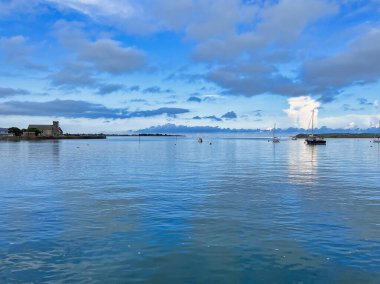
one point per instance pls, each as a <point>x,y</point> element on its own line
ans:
<point>119,65</point>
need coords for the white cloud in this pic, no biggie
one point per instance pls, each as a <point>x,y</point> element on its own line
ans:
<point>26,6</point>
<point>300,111</point>
<point>18,52</point>
<point>360,120</point>
<point>98,8</point>
<point>280,23</point>
<point>73,75</point>
<point>126,15</point>
<point>195,17</point>
<point>359,63</point>
<point>104,54</point>
<point>110,56</point>
<point>351,125</point>
<point>15,46</point>
<point>286,20</point>
<point>375,122</point>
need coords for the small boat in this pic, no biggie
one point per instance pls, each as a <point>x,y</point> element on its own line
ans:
<point>294,138</point>
<point>314,139</point>
<point>377,140</point>
<point>200,140</point>
<point>275,139</point>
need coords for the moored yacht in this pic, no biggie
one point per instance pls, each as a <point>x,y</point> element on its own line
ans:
<point>275,139</point>
<point>314,139</point>
<point>377,140</point>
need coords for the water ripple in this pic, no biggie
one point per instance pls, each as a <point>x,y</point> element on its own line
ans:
<point>239,210</point>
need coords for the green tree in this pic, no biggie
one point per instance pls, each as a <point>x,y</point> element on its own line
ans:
<point>35,130</point>
<point>15,130</point>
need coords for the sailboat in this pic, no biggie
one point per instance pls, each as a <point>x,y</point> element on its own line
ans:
<point>377,140</point>
<point>275,139</point>
<point>314,139</point>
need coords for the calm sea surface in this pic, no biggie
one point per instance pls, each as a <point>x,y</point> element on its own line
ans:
<point>176,211</point>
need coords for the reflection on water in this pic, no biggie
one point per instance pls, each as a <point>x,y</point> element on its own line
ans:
<point>302,162</point>
<point>41,150</point>
<point>165,210</point>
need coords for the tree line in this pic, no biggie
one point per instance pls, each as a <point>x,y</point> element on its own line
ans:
<point>18,132</point>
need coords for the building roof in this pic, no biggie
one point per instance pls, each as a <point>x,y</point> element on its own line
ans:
<point>41,127</point>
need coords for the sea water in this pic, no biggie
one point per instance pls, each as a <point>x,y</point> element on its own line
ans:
<point>171,210</point>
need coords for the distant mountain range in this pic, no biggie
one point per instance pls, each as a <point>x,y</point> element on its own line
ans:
<point>172,128</point>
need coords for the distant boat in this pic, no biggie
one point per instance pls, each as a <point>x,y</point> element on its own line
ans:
<point>294,138</point>
<point>200,140</point>
<point>377,140</point>
<point>314,139</point>
<point>275,139</point>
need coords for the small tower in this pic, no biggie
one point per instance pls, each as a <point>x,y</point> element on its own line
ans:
<point>55,128</point>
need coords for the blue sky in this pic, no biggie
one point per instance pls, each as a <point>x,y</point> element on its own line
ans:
<point>119,65</point>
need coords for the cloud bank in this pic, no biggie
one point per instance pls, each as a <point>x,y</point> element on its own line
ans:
<point>300,111</point>
<point>79,109</point>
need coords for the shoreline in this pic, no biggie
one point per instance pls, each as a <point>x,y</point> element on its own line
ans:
<point>63,137</point>
<point>146,135</point>
<point>104,136</point>
<point>340,135</point>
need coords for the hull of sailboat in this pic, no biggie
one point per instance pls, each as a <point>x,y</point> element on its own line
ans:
<point>315,142</point>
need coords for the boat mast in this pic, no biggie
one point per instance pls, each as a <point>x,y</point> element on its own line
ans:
<point>312,123</point>
<point>274,128</point>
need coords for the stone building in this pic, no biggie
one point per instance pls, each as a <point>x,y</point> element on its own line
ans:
<point>4,132</point>
<point>48,130</point>
<point>29,134</point>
